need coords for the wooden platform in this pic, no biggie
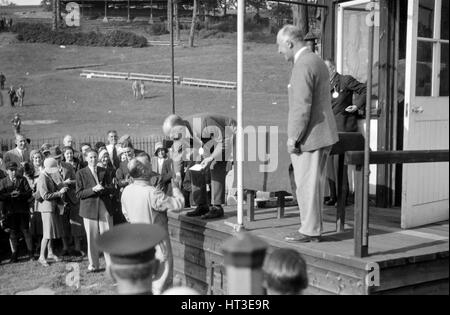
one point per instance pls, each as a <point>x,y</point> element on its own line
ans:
<point>411,262</point>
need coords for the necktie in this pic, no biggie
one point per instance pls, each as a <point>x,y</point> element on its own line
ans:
<point>94,172</point>
<point>114,156</point>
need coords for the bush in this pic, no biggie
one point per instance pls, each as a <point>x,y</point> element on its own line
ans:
<point>231,26</point>
<point>260,37</point>
<point>41,33</point>
<point>224,27</point>
<point>157,29</point>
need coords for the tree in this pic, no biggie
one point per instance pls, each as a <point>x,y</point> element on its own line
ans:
<point>300,16</point>
<point>257,4</point>
<point>54,15</point>
<point>47,5</point>
<point>193,24</point>
<point>177,19</point>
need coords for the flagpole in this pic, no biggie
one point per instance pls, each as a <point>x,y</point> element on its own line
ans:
<point>240,136</point>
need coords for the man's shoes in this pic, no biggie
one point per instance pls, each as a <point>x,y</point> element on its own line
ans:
<point>54,257</point>
<point>298,237</point>
<point>214,213</point>
<point>31,255</point>
<point>13,258</point>
<point>77,253</point>
<point>199,211</point>
<point>92,269</point>
<point>43,262</point>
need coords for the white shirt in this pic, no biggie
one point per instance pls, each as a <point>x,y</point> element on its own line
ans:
<point>110,148</point>
<point>160,164</point>
<point>142,202</point>
<point>297,55</point>
<point>94,173</point>
<point>20,152</point>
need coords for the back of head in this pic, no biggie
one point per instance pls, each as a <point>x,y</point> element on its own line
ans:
<point>293,33</point>
<point>170,122</point>
<point>139,168</point>
<point>285,272</point>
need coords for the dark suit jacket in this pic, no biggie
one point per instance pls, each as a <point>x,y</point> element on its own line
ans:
<point>90,200</point>
<point>122,174</point>
<point>347,86</point>
<point>18,204</point>
<point>311,122</point>
<point>68,172</point>
<point>164,177</point>
<point>215,133</point>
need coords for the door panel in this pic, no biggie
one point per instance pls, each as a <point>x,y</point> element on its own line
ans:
<point>425,197</point>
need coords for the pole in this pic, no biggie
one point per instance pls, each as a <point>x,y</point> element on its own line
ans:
<point>128,12</point>
<point>367,138</point>
<point>240,136</point>
<point>151,12</point>
<point>172,56</point>
<point>105,19</point>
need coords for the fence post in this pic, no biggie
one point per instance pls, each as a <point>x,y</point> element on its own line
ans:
<point>361,240</point>
<point>244,256</point>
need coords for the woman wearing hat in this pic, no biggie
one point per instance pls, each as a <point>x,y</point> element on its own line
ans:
<point>50,207</point>
<point>105,161</point>
<point>45,149</point>
<point>162,165</point>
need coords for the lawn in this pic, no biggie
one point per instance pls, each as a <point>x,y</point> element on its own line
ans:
<point>91,107</point>
<point>28,278</point>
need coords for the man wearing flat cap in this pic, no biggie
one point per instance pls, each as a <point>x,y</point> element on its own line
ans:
<point>207,138</point>
<point>132,251</point>
<point>14,208</point>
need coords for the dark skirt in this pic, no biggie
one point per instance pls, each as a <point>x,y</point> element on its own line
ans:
<point>36,224</point>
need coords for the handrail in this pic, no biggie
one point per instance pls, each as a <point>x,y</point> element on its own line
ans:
<point>398,157</point>
<point>383,157</point>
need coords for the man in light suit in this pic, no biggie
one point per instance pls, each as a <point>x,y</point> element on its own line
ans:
<point>311,129</point>
<point>20,154</point>
<point>95,190</point>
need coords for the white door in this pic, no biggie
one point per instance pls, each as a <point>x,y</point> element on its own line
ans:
<point>425,196</point>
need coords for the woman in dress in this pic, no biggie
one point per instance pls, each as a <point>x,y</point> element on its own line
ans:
<point>50,206</point>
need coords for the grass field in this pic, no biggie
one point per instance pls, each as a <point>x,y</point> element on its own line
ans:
<point>90,107</point>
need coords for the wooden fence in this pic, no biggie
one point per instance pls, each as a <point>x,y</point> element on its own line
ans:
<point>89,74</point>
<point>146,144</point>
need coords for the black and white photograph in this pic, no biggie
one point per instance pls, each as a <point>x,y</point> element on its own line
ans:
<point>224,151</point>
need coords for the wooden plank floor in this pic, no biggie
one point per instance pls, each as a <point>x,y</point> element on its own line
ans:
<point>410,261</point>
<point>387,242</point>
